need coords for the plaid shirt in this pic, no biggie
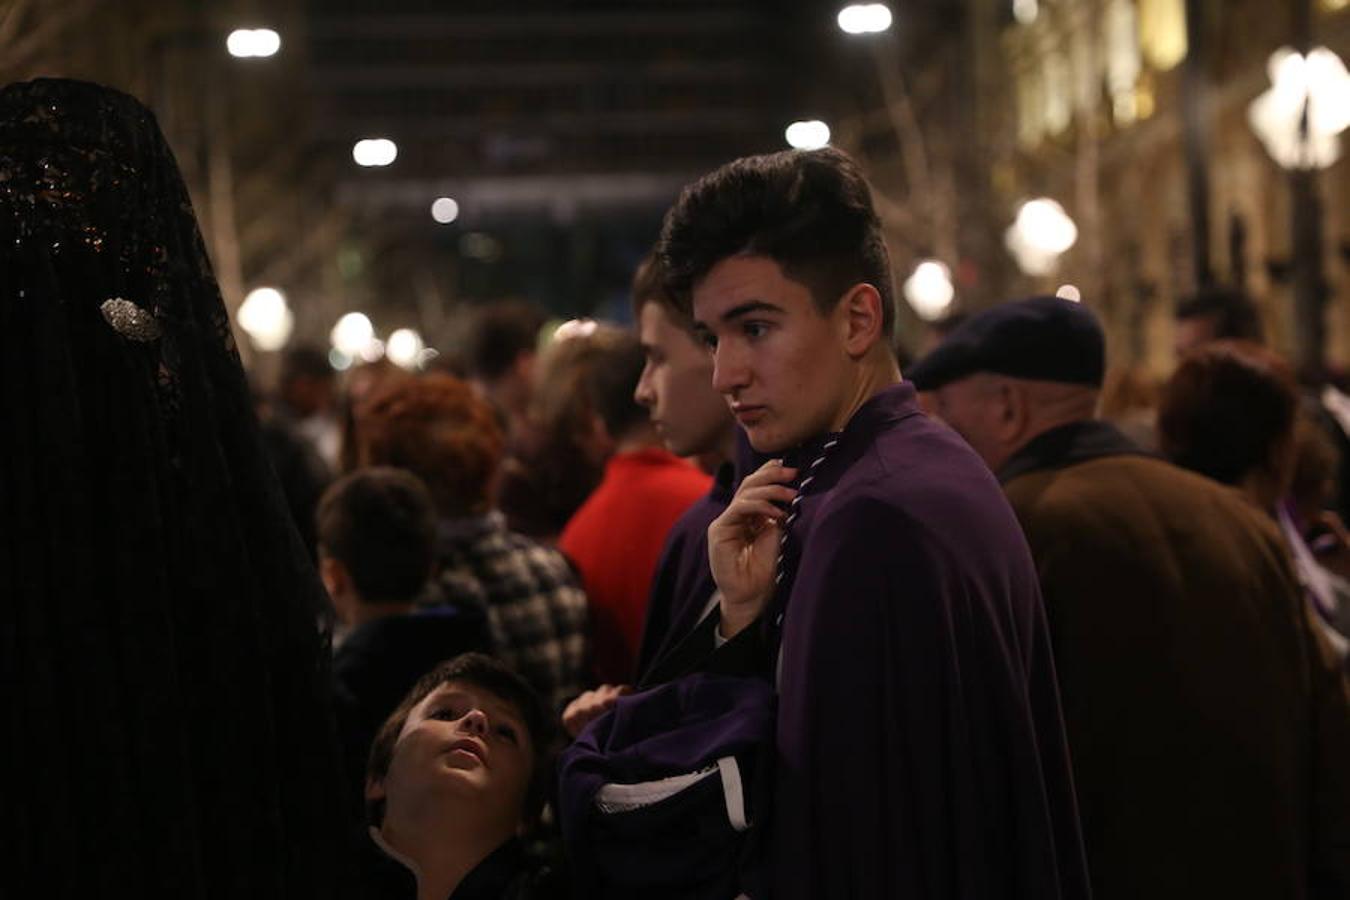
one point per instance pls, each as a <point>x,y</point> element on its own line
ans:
<point>535,606</point>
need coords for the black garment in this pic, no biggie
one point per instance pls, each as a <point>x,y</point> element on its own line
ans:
<point>163,683</point>
<point>511,872</point>
<point>302,473</point>
<point>378,664</point>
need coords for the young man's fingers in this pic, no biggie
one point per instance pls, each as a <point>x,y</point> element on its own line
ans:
<point>771,492</point>
<point>772,472</point>
<point>749,512</point>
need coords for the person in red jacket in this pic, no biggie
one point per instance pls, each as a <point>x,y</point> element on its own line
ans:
<point>615,537</point>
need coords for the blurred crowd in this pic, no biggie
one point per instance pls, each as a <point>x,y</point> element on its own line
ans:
<point>1054,623</point>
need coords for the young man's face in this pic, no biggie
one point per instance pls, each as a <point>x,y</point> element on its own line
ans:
<point>461,745</point>
<point>676,386</point>
<point>781,365</point>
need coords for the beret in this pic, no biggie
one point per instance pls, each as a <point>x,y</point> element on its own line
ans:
<point>1042,338</point>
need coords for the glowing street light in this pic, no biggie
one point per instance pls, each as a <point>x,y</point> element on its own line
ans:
<point>1025,11</point>
<point>811,134</point>
<point>374,152</point>
<point>259,43</point>
<point>266,318</point>
<point>1317,84</point>
<point>864,18</point>
<point>1040,235</point>
<point>404,348</point>
<point>929,290</point>
<point>352,334</point>
<point>445,210</point>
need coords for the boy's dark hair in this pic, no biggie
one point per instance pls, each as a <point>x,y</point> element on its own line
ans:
<point>1234,314</point>
<point>649,286</point>
<point>497,678</point>
<point>498,334</point>
<point>810,211</point>
<point>381,524</point>
<point>1226,408</point>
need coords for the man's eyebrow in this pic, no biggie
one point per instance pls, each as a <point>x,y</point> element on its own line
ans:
<point>752,306</point>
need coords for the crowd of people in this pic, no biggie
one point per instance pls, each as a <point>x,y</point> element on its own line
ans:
<point>723,605</point>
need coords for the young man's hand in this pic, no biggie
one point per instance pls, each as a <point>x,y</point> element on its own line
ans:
<point>592,705</point>
<point>743,544</point>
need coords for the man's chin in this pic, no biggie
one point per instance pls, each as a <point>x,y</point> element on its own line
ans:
<point>767,441</point>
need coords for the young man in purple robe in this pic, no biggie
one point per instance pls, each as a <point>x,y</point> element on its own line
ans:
<point>676,388</point>
<point>873,561</point>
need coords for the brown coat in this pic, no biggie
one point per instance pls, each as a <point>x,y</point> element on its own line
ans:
<point>1208,722</point>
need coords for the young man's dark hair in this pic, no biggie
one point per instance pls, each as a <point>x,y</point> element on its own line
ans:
<point>1226,409</point>
<point>649,286</point>
<point>496,678</point>
<point>380,523</point>
<point>808,211</point>
<point>499,334</point>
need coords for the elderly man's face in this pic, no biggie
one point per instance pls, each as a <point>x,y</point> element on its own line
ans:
<point>973,408</point>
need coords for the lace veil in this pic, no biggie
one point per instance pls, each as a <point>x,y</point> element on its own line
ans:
<point>162,675</point>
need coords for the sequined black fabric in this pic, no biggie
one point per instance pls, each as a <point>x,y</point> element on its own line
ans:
<point>162,680</point>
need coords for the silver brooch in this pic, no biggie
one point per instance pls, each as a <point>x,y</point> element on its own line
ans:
<point>129,320</point>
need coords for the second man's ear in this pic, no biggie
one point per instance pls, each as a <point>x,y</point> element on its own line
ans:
<point>862,318</point>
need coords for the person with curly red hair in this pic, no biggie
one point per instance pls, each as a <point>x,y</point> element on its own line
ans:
<point>438,428</point>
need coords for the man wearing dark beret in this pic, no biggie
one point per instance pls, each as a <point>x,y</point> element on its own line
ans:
<point>1208,723</point>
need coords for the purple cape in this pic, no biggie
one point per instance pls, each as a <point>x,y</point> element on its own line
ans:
<point>683,582</point>
<point>921,749</point>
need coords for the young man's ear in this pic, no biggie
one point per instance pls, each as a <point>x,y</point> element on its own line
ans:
<point>374,789</point>
<point>862,319</point>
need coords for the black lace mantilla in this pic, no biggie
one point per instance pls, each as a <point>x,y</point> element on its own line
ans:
<point>87,180</point>
<point>162,673</point>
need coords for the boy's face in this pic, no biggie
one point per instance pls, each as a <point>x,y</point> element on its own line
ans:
<point>676,386</point>
<point>462,745</point>
<point>782,366</point>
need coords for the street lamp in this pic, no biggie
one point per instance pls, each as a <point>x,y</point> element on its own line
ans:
<point>929,290</point>
<point>1040,235</point>
<point>445,210</point>
<point>810,134</point>
<point>864,18</point>
<point>374,152</point>
<point>259,43</point>
<point>352,334</point>
<point>266,318</point>
<point>404,348</point>
<point>1299,119</point>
